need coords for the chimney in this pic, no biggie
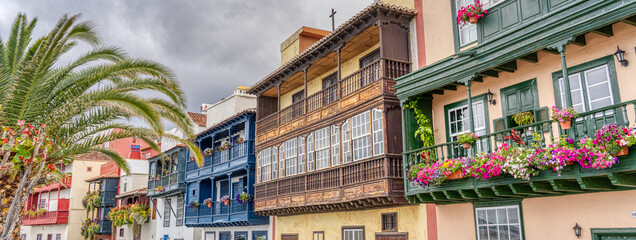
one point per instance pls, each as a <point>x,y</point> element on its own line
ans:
<point>135,151</point>
<point>298,42</point>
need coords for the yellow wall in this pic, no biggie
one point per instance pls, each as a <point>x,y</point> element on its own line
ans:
<point>438,29</point>
<point>290,51</point>
<point>402,3</point>
<point>315,85</point>
<point>77,212</point>
<point>597,47</point>
<point>549,217</point>
<point>411,219</point>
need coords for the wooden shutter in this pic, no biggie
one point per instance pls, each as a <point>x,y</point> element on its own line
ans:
<point>289,236</point>
<point>391,236</point>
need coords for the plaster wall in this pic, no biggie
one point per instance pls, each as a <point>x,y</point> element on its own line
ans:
<point>402,3</point>
<point>438,29</point>
<point>173,231</point>
<point>411,219</point>
<point>213,233</point>
<point>229,106</point>
<point>597,47</point>
<point>33,231</point>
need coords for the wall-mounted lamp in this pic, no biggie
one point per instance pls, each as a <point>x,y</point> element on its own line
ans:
<point>491,97</point>
<point>620,57</point>
<point>577,230</point>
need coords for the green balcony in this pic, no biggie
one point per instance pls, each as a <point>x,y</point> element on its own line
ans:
<point>572,180</point>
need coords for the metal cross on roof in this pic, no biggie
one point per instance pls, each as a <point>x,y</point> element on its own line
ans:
<point>333,19</point>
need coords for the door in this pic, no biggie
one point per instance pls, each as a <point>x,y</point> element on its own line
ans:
<point>225,190</point>
<point>225,236</point>
<point>236,190</point>
<point>519,98</point>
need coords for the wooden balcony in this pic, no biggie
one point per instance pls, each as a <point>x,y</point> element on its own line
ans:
<point>573,179</point>
<point>369,82</point>
<point>369,183</point>
<point>60,216</point>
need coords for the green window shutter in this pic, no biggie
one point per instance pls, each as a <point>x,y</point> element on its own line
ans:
<point>499,125</point>
<point>540,115</point>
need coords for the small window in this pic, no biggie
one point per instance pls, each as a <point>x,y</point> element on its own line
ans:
<point>121,232</point>
<point>291,159</point>
<point>378,136</point>
<point>320,235</point>
<point>274,162</point>
<point>335,146</point>
<point>49,237</point>
<point>501,222</point>
<point>125,187</point>
<point>389,222</point>
<point>38,237</point>
<point>180,211</point>
<point>89,169</point>
<point>346,142</point>
<point>281,161</point>
<point>301,154</point>
<point>287,236</point>
<point>322,148</point>
<point>58,236</point>
<point>353,233</point>
<point>310,153</point>
<point>361,136</point>
<point>369,58</point>
<point>259,162</point>
<point>23,236</point>
<point>166,212</point>
<point>240,236</point>
<point>298,96</point>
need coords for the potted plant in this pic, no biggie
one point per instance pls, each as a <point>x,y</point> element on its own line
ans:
<point>207,152</point>
<point>564,116</point>
<point>160,189</point>
<point>225,199</point>
<point>240,140</point>
<point>208,201</point>
<point>523,118</point>
<point>470,13</point>
<point>194,204</point>
<point>243,198</point>
<point>467,139</point>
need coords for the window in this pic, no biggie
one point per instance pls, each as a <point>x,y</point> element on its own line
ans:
<point>590,89</point>
<point>180,206</point>
<point>310,153</point>
<point>58,236</point>
<point>274,162</point>
<point>346,142</point>
<point>369,58</point>
<point>319,235</point>
<point>378,137</point>
<point>259,235</point>
<point>468,33</point>
<point>301,154</point>
<point>290,157</point>
<point>125,187</point>
<point>361,133</point>
<point>49,237</point>
<point>166,212</point>
<point>298,96</point>
<point>353,233</point>
<point>259,163</point>
<point>458,123</point>
<point>267,161</point>
<point>281,160</point>
<point>38,237</point>
<point>240,236</point>
<point>42,203</point>
<point>121,232</point>
<point>335,146</point>
<point>288,236</point>
<point>330,95</point>
<point>389,222</point>
<point>23,236</point>
<point>322,148</point>
<point>498,223</point>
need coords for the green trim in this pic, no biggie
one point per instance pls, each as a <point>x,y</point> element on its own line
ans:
<point>447,107</point>
<point>597,233</point>
<point>532,83</point>
<point>502,203</point>
<point>611,66</point>
<point>567,20</point>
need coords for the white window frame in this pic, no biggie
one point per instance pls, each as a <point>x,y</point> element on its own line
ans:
<point>291,157</point>
<point>259,162</point>
<point>311,156</point>
<point>346,142</point>
<point>180,211</point>
<point>471,27</point>
<point>497,223</point>
<point>361,136</point>
<point>267,164</point>
<point>301,155</point>
<point>353,234</point>
<point>480,131</point>
<point>281,161</point>
<point>274,163</point>
<point>322,148</point>
<point>335,145</point>
<point>377,125</point>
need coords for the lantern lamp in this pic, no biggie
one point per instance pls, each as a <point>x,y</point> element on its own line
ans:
<point>491,97</point>
<point>620,57</point>
<point>577,230</point>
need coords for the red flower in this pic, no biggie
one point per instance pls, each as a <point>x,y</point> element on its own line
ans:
<point>51,167</point>
<point>5,140</point>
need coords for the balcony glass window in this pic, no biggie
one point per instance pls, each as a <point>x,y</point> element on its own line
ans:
<point>259,163</point>
<point>310,153</point>
<point>468,33</point>
<point>458,122</point>
<point>322,148</point>
<point>301,154</point>
<point>361,133</point>
<point>353,234</point>
<point>180,206</point>
<point>281,160</point>
<point>335,146</point>
<point>53,201</point>
<point>378,136</point>
<point>274,162</point>
<point>498,223</point>
<point>590,89</point>
<point>291,155</point>
<point>266,164</point>
<point>166,212</point>
<point>174,161</point>
<point>346,142</point>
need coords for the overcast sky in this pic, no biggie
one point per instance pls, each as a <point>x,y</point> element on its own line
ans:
<point>211,45</point>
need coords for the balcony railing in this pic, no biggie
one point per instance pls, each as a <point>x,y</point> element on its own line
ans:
<point>170,183</point>
<point>381,68</point>
<point>585,125</point>
<point>105,226</point>
<point>220,159</point>
<point>60,216</point>
<point>65,183</point>
<point>219,213</point>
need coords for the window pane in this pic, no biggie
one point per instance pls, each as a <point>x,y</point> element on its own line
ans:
<point>492,232</point>
<point>503,232</point>
<point>483,232</point>
<point>515,233</point>
<point>492,216</point>
<point>502,216</point>
<point>596,75</point>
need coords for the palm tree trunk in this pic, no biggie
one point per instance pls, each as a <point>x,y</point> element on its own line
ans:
<point>8,190</point>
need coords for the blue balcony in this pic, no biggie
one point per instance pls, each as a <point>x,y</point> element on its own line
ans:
<point>167,177</point>
<point>221,215</point>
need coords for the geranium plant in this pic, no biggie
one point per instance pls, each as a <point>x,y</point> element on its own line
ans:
<point>470,13</point>
<point>467,139</point>
<point>564,116</point>
<point>240,140</point>
<point>243,198</point>
<point>207,201</point>
<point>194,204</point>
<point>208,151</point>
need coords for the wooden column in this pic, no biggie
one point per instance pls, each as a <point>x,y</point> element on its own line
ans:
<point>560,46</point>
<point>278,104</point>
<point>338,51</point>
<point>305,70</point>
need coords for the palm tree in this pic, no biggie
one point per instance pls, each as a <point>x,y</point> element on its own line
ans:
<point>87,102</point>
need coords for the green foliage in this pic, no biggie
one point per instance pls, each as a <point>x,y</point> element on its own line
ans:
<point>467,138</point>
<point>523,118</point>
<point>424,130</point>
